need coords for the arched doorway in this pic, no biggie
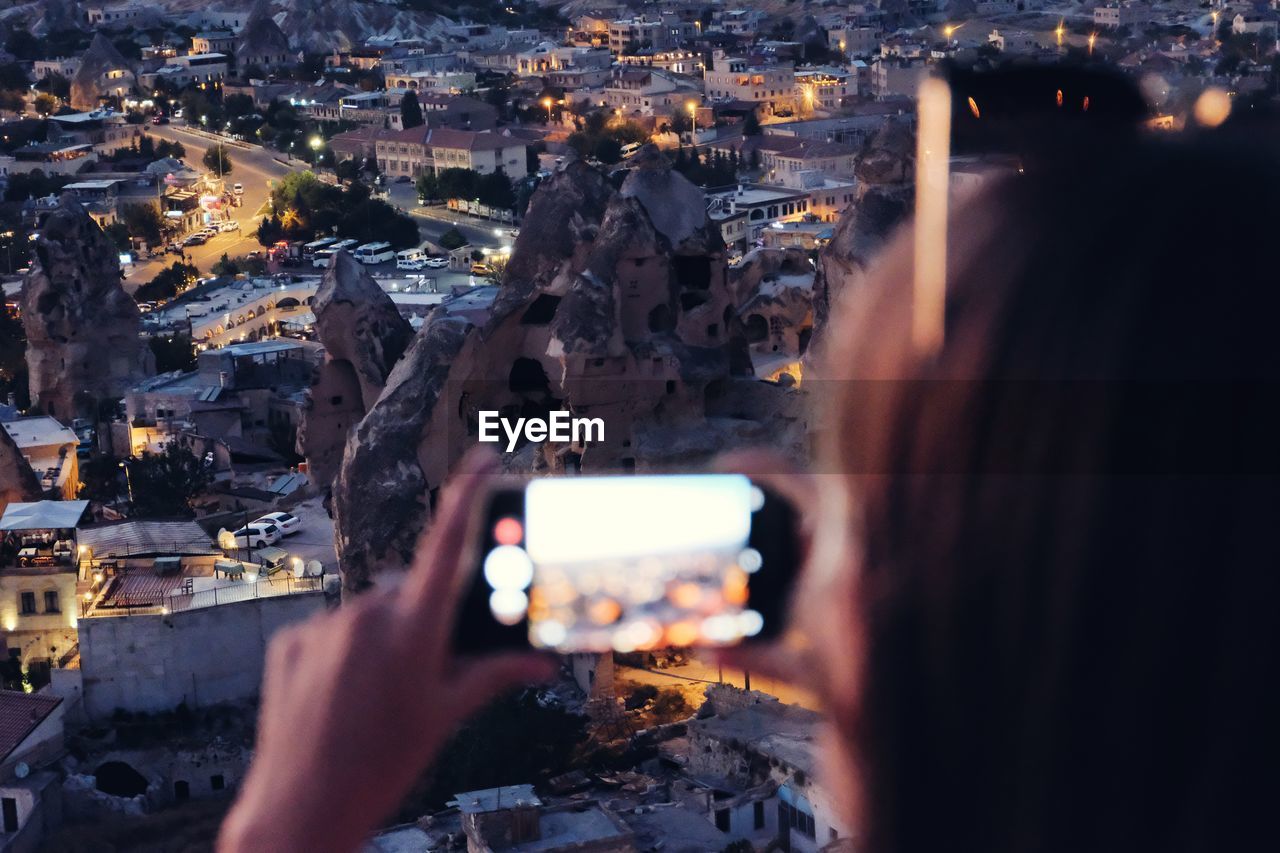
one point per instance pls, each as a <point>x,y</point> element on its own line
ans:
<point>119,780</point>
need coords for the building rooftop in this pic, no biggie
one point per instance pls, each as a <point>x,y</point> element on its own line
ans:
<point>39,431</point>
<point>772,729</point>
<point>565,828</point>
<point>135,538</point>
<point>494,799</point>
<point>43,515</point>
<point>20,714</point>
<point>260,347</point>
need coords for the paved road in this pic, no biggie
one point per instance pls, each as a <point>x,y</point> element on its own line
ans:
<point>253,167</point>
<point>256,168</point>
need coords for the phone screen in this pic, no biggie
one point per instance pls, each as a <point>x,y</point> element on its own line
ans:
<point>632,563</point>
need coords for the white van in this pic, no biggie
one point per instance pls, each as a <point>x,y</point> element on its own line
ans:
<point>344,245</point>
<point>411,259</point>
<point>374,253</point>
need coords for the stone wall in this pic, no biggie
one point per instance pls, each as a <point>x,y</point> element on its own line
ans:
<point>201,657</point>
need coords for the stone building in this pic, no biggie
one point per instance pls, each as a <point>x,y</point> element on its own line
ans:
<point>104,74</point>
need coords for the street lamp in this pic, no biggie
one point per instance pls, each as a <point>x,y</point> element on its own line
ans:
<point>692,107</point>
<point>1059,31</point>
<point>547,102</point>
<point>128,485</point>
<point>1093,37</point>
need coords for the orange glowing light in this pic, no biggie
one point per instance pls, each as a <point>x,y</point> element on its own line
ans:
<point>605,611</point>
<point>735,587</point>
<point>973,108</point>
<point>1086,103</point>
<point>682,634</point>
<point>685,595</point>
<point>508,531</point>
<point>1059,97</point>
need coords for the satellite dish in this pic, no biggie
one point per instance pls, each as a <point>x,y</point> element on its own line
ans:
<point>22,770</point>
<point>315,569</point>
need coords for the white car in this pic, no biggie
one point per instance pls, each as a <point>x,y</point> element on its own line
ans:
<point>238,189</point>
<point>257,535</point>
<point>283,520</point>
<point>416,264</point>
<point>437,263</point>
<point>229,225</point>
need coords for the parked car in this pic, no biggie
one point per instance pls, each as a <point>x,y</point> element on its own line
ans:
<point>412,265</point>
<point>437,263</point>
<point>238,189</point>
<point>196,240</point>
<point>283,520</point>
<point>159,119</point>
<point>229,225</point>
<point>257,535</point>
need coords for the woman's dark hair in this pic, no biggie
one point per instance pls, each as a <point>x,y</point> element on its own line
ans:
<point>1071,579</point>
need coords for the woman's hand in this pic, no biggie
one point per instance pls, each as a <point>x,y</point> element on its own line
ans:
<point>357,702</point>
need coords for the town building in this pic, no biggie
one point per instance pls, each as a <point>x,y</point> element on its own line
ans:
<point>824,89</point>
<point>1115,15</point>
<point>213,41</point>
<point>39,574</point>
<point>734,78</point>
<point>425,149</point>
<point>32,738</point>
<point>50,450</point>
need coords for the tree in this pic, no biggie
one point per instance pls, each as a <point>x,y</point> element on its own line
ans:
<point>175,353</point>
<point>13,359</point>
<point>751,125</point>
<point>458,183</point>
<point>270,230</point>
<point>164,483</point>
<point>224,266</point>
<point>144,223</point>
<point>411,111</point>
<point>217,160</point>
<point>100,478</point>
<point>168,283</point>
<point>428,187</point>
<point>45,104</point>
<point>165,148</point>
<point>452,239</point>
<point>494,190</point>
<point>118,232</point>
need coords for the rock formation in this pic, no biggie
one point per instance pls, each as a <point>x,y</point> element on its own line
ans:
<point>886,193</point>
<point>82,328</point>
<point>262,42</point>
<point>775,305</point>
<point>615,305</point>
<point>17,481</point>
<point>103,73</point>
<point>363,336</point>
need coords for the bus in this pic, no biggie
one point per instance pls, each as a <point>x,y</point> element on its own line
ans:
<point>316,245</point>
<point>344,245</point>
<point>374,253</point>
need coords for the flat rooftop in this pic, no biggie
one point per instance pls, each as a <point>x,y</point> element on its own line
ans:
<point>38,432</point>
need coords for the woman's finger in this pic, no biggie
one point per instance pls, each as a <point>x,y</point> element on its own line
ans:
<point>773,471</point>
<point>432,587</point>
<point>482,679</point>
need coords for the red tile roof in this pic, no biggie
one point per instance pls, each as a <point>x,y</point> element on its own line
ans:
<point>443,137</point>
<point>20,713</point>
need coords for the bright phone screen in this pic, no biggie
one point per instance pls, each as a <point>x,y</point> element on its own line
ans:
<point>629,563</point>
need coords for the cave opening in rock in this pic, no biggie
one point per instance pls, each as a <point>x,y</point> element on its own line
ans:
<point>806,335</point>
<point>757,329</point>
<point>661,320</point>
<point>119,780</point>
<point>528,377</point>
<point>541,312</point>
<point>692,271</point>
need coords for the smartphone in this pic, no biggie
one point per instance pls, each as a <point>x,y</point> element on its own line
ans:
<point>628,563</point>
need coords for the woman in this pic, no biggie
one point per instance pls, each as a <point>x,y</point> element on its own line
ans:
<point>1038,597</point>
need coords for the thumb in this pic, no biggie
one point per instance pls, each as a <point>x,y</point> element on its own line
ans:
<point>483,679</point>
